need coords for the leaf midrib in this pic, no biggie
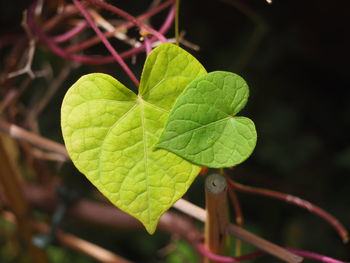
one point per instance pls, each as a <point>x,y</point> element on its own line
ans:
<point>144,139</point>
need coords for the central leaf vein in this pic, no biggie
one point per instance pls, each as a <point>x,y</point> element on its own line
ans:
<point>144,138</point>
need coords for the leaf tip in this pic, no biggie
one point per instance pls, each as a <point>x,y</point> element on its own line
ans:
<point>151,230</point>
<point>150,227</point>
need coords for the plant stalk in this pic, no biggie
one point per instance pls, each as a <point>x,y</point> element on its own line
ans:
<point>217,215</point>
<point>18,203</point>
<point>177,35</point>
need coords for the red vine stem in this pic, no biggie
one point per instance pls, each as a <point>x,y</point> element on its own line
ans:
<point>204,170</point>
<point>295,201</point>
<point>236,206</point>
<point>314,256</point>
<point>106,42</point>
<point>96,39</point>
<point>238,215</point>
<point>130,18</point>
<point>155,10</point>
<point>71,33</point>
<point>148,45</point>
<point>55,49</point>
<point>202,249</point>
<point>87,59</point>
<point>168,21</point>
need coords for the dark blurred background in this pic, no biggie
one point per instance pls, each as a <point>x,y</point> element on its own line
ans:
<point>295,57</point>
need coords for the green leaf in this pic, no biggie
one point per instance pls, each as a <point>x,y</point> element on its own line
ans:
<point>110,134</point>
<point>203,127</point>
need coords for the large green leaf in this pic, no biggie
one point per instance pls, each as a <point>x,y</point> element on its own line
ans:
<point>203,127</point>
<point>110,134</point>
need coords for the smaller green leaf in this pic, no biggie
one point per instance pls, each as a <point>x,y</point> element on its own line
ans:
<point>203,127</point>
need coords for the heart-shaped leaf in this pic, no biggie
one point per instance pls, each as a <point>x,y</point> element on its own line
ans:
<point>110,134</point>
<point>202,126</point>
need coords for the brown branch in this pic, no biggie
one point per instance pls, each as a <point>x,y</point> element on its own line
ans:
<point>217,215</point>
<point>10,62</point>
<point>27,69</point>
<point>8,98</point>
<point>23,135</point>
<point>47,156</point>
<point>53,88</point>
<point>270,248</point>
<point>90,211</point>
<point>108,215</point>
<point>9,179</point>
<point>263,244</point>
<point>73,242</point>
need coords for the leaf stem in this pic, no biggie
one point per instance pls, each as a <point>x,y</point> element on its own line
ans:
<point>106,42</point>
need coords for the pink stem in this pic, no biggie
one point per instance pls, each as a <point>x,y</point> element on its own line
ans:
<point>106,42</point>
<point>155,10</point>
<point>148,45</point>
<point>224,259</point>
<point>169,20</point>
<point>298,202</point>
<point>129,17</point>
<point>314,256</point>
<point>128,24</point>
<point>87,59</point>
<point>90,42</point>
<point>202,249</point>
<point>55,49</point>
<point>71,33</point>
<point>164,28</point>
